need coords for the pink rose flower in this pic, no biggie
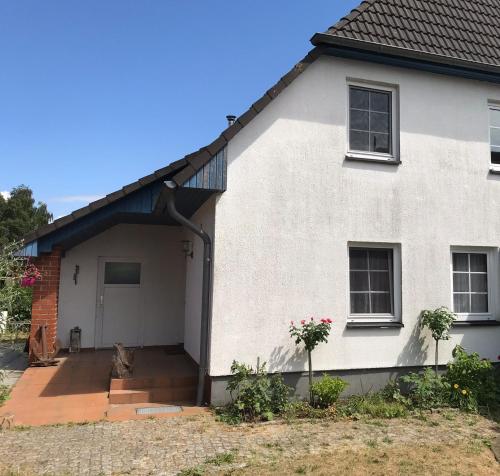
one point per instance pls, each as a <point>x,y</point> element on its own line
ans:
<point>302,322</point>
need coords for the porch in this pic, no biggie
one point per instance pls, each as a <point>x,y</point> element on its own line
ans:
<point>78,390</point>
<point>131,268</point>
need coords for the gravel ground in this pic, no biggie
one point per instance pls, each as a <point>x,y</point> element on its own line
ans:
<point>168,446</point>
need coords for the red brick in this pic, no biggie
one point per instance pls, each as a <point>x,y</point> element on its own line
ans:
<point>46,296</point>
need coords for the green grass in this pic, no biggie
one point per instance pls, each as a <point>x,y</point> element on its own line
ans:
<point>221,458</point>
<point>371,443</point>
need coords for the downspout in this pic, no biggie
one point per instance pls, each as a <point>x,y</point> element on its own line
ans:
<point>205,294</point>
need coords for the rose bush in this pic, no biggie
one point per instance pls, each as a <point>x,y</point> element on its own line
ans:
<point>311,333</point>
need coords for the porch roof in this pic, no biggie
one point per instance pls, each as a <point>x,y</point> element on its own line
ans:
<point>135,203</point>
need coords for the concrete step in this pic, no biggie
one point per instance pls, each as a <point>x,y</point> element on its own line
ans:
<point>135,383</point>
<point>153,395</point>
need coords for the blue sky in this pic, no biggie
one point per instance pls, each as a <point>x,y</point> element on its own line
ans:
<point>95,94</point>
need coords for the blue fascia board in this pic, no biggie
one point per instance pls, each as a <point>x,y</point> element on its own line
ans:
<point>140,201</point>
<point>29,249</point>
<point>212,176</point>
<point>422,65</point>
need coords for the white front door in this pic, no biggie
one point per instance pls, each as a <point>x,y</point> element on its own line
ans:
<point>119,302</point>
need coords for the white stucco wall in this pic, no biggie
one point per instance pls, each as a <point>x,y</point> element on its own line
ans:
<point>204,218</point>
<point>293,203</point>
<point>159,248</point>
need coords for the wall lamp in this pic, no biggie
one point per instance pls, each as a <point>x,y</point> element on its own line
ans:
<point>187,247</point>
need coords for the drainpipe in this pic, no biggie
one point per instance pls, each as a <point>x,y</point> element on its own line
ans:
<point>205,294</point>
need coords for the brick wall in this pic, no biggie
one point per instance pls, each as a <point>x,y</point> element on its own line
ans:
<point>46,296</point>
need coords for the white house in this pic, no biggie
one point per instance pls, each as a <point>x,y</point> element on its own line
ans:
<point>363,187</point>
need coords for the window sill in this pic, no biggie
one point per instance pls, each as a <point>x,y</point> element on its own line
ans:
<point>495,170</point>
<point>351,156</point>
<point>377,325</point>
<point>477,323</point>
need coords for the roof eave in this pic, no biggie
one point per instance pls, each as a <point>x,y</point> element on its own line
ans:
<point>325,39</point>
<point>102,202</point>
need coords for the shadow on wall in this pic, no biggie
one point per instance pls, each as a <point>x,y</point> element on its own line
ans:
<point>483,340</point>
<point>286,360</point>
<point>416,349</point>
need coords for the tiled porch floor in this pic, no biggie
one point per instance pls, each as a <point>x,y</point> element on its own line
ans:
<point>76,390</point>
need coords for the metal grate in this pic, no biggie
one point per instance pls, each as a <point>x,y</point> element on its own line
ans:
<point>155,410</point>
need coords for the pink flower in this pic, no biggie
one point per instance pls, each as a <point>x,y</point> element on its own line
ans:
<point>312,318</point>
<point>329,321</point>
<point>302,322</point>
<point>324,321</point>
<point>291,323</point>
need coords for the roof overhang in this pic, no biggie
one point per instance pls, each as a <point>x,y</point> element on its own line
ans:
<point>135,204</point>
<point>379,53</point>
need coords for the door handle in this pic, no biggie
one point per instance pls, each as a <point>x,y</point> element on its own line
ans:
<point>102,300</point>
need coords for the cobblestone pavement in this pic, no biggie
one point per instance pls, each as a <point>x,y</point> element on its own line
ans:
<point>167,446</point>
<point>13,361</point>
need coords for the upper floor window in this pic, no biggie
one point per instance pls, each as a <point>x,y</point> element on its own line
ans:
<point>495,135</point>
<point>371,123</point>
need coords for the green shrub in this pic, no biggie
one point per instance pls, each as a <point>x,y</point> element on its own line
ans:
<point>471,380</point>
<point>373,405</point>
<point>325,392</point>
<point>303,409</point>
<point>279,393</point>
<point>427,390</point>
<point>254,395</point>
<point>392,393</point>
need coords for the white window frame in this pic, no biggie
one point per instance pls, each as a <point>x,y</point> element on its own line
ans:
<point>495,106</point>
<point>375,156</point>
<point>396,316</point>
<point>492,276</point>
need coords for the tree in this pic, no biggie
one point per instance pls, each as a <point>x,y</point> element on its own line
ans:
<point>311,334</point>
<point>17,276</point>
<point>20,215</point>
<point>439,322</point>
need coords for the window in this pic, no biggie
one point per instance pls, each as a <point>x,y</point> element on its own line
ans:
<point>495,135</point>
<point>371,282</point>
<point>371,123</point>
<point>122,272</point>
<point>470,283</point>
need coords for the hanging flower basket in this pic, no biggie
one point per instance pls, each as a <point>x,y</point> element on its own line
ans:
<point>31,276</point>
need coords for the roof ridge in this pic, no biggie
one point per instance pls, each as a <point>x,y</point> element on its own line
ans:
<point>352,15</point>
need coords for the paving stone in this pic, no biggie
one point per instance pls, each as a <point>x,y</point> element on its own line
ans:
<point>166,446</point>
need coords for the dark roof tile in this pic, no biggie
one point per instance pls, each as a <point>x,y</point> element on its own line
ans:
<point>216,145</point>
<point>231,131</point>
<point>462,30</point>
<point>199,158</point>
<point>245,118</point>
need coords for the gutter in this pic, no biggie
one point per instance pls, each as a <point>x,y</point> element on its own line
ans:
<point>326,39</point>
<point>206,284</point>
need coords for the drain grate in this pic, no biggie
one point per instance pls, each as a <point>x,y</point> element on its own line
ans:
<point>155,410</point>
